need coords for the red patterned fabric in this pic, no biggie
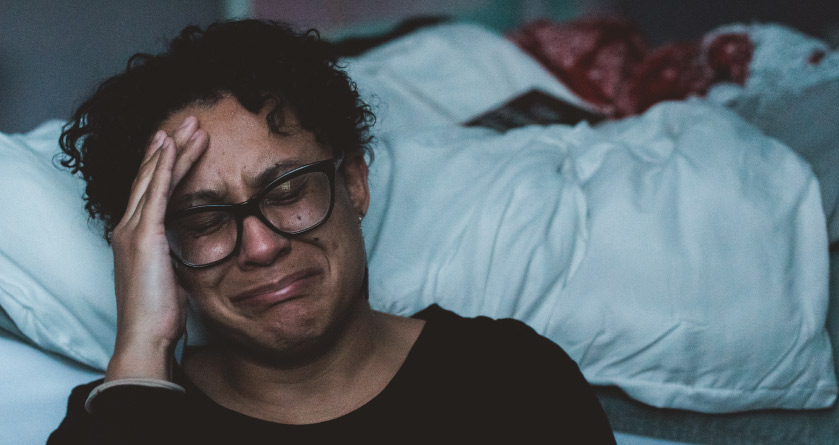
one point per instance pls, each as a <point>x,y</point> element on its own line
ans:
<point>606,62</point>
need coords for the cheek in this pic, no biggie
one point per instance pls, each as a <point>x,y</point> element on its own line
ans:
<point>349,244</point>
<point>197,283</point>
<point>340,240</point>
<point>346,232</point>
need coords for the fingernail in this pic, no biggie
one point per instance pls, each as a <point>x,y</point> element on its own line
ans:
<point>194,136</point>
<point>156,141</point>
<point>187,122</point>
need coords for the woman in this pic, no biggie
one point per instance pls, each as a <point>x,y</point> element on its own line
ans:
<point>247,146</point>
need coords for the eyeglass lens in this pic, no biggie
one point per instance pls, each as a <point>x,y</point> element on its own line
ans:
<point>290,206</point>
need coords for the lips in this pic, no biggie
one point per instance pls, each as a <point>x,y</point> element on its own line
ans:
<point>288,288</point>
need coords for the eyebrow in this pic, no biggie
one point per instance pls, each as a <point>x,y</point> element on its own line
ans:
<point>271,173</point>
<point>196,198</point>
<point>208,196</point>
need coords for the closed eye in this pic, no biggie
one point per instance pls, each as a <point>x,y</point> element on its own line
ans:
<point>204,224</point>
<point>287,192</point>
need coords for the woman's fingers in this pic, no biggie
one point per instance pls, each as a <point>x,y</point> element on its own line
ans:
<point>141,183</point>
<point>155,143</point>
<point>152,207</point>
<point>143,176</point>
<point>188,154</point>
<point>184,132</point>
<point>188,143</point>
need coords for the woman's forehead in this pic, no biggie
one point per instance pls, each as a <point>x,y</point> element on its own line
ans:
<point>228,112</point>
<point>243,152</point>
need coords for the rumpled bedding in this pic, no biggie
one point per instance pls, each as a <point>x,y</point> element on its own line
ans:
<point>780,80</point>
<point>680,255</point>
<point>605,60</point>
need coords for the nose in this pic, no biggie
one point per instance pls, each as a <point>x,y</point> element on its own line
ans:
<point>260,246</point>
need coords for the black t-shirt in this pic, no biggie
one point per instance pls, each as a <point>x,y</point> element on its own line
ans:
<point>466,380</point>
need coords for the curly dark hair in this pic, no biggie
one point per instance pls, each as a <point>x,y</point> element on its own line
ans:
<point>257,62</point>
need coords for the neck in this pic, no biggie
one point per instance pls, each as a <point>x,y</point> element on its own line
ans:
<point>343,376</point>
<point>345,353</point>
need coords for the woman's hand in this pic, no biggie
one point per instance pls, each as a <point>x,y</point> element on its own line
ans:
<point>151,305</point>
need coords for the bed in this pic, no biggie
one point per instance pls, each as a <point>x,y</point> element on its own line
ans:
<point>681,252</point>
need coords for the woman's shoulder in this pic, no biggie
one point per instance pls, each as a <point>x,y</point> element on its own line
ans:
<point>504,343</point>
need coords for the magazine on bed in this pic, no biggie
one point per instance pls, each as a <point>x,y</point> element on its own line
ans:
<point>534,107</point>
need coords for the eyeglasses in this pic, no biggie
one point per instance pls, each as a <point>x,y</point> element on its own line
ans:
<point>294,203</point>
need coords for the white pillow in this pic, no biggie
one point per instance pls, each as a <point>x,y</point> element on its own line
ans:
<point>56,270</point>
<point>705,286</point>
<point>447,75</point>
<point>681,255</point>
<point>476,222</point>
<point>793,98</point>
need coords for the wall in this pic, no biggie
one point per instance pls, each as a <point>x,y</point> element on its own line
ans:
<point>338,18</point>
<point>662,20</point>
<point>52,53</point>
<point>669,20</point>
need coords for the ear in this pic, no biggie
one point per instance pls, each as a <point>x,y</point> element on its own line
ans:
<point>355,180</point>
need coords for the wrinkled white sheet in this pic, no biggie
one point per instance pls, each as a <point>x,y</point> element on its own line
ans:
<point>34,386</point>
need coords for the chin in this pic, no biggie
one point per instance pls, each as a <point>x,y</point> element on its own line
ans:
<point>292,338</point>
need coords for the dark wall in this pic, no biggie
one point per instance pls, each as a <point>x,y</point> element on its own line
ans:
<point>52,53</point>
<point>674,20</point>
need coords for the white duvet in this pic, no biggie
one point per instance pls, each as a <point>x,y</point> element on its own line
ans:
<point>681,255</point>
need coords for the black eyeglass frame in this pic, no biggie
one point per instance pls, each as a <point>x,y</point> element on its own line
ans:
<point>250,207</point>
